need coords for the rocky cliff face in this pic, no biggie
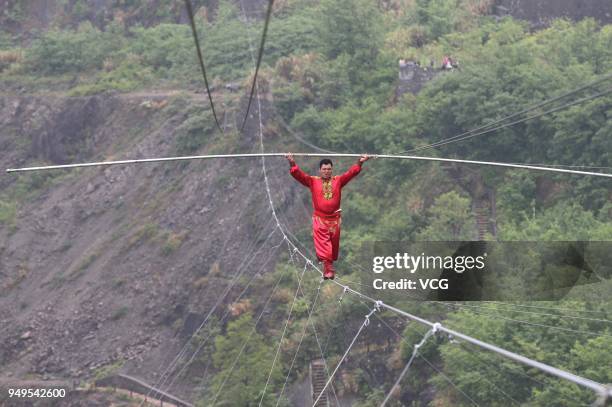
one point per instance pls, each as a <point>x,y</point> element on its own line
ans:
<point>540,12</point>
<point>24,17</point>
<point>104,265</point>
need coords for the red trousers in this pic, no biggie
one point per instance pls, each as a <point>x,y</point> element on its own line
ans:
<point>326,236</point>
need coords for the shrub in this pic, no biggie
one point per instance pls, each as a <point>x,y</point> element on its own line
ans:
<point>162,46</point>
<point>194,133</point>
<point>147,232</point>
<point>9,57</point>
<point>8,212</point>
<point>120,313</point>
<point>128,75</point>
<point>173,242</point>
<point>58,52</point>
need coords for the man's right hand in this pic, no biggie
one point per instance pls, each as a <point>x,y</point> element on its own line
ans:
<point>289,157</point>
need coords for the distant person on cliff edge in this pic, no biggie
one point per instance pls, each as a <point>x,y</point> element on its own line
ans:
<point>326,194</point>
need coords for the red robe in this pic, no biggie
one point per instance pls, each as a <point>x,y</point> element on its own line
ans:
<point>326,220</point>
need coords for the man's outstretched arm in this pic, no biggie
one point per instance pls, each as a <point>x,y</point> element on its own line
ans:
<point>297,173</point>
<point>353,171</point>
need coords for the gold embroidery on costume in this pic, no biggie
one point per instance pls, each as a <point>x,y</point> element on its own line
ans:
<point>327,190</point>
<point>330,224</point>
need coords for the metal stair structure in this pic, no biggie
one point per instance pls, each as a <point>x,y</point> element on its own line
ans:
<point>317,382</point>
<point>482,220</point>
<point>484,209</point>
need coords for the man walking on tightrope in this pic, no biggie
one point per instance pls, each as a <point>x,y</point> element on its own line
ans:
<point>326,194</point>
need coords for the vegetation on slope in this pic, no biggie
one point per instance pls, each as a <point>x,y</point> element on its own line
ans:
<point>331,68</point>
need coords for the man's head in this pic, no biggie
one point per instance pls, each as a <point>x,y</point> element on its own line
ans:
<point>325,168</point>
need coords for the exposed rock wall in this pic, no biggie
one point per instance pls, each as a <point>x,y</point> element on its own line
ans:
<point>119,264</point>
<point>541,12</point>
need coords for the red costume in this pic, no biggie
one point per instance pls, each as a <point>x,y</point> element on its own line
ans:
<point>326,218</point>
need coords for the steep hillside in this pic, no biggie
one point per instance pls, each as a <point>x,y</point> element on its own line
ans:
<point>109,270</point>
<point>105,265</point>
<point>25,17</point>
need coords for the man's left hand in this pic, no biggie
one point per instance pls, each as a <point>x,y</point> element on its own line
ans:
<point>364,158</point>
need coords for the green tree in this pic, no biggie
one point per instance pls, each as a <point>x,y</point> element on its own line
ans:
<point>516,195</point>
<point>58,52</point>
<point>537,336</point>
<point>312,122</point>
<point>439,16</point>
<point>241,383</point>
<point>479,374</point>
<point>564,221</point>
<point>350,35</point>
<point>591,359</point>
<point>162,46</point>
<point>353,27</point>
<point>449,218</point>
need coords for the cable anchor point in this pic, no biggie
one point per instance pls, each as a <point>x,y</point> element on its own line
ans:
<point>344,291</point>
<point>367,317</point>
